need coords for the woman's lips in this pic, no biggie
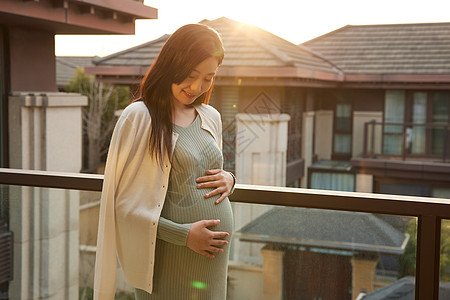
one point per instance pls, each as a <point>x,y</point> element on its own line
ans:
<point>188,95</point>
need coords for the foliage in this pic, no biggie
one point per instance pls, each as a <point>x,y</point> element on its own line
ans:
<point>407,260</point>
<point>99,116</point>
<point>445,250</point>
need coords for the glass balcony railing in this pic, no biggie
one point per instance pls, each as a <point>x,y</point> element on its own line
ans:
<point>289,243</point>
<point>407,140</point>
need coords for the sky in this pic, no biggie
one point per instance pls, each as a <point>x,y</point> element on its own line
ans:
<point>294,20</point>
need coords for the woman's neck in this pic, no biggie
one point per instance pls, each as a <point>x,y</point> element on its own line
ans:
<point>183,115</point>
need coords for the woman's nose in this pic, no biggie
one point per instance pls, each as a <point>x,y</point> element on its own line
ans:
<point>196,86</point>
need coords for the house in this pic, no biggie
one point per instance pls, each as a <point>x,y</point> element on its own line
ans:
<point>324,254</point>
<point>368,108</point>
<point>39,245</point>
<point>66,67</point>
<point>390,115</point>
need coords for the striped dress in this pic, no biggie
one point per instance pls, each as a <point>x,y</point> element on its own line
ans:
<point>181,273</point>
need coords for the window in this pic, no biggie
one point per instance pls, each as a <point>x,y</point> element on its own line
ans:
<point>342,140</point>
<point>394,112</point>
<point>332,175</point>
<point>440,192</point>
<point>440,116</point>
<point>333,181</point>
<point>416,141</point>
<point>423,123</point>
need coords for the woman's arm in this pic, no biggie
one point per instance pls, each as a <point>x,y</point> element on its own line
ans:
<point>172,232</point>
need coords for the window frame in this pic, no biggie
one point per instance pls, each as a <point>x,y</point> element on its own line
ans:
<point>408,122</point>
<point>342,155</point>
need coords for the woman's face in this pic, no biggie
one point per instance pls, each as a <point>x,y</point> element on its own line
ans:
<point>197,83</point>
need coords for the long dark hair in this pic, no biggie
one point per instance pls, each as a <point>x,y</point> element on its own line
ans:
<point>183,51</point>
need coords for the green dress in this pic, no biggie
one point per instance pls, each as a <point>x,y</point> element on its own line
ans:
<point>181,273</point>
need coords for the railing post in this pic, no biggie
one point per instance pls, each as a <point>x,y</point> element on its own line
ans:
<point>373,137</point>
<point>446,140</point>
<point>404,141</point>
<point>427,258</point>
<point>366,127</point>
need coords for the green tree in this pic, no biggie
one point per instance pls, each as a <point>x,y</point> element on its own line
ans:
<point>407,260</point>
<point>99,116</point>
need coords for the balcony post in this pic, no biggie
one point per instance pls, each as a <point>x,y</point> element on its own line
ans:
<point>273,273</point>
<point>372,143</point>
<point>404,141</point>
<point>446,141</point>
<point>366,132</point>
<point>427,257</point>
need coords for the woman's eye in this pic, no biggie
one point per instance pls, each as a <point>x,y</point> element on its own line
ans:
<point>208,79</point>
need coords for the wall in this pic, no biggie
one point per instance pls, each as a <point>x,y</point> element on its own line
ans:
<point>45,134</point>
<point>359,118</point>
<point>245,281</point>
<point>32,60</point>
<point>307,144</point>
<point>323,134</point>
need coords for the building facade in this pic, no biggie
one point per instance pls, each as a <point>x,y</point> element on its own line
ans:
<point>39,232</point>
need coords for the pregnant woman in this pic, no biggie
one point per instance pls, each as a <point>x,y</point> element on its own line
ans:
<point>164,208</point>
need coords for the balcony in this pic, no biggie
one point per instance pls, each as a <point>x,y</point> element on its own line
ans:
<point>407,141</point>
<point>428,213</point>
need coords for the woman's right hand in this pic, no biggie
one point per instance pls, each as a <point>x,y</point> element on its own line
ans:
<point>204,241</point>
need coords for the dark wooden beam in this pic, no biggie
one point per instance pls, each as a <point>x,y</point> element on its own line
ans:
<point>87,9</point>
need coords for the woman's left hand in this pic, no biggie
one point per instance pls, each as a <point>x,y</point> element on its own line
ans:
<point>219,179</point>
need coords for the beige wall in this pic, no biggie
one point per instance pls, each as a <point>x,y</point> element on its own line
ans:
<point>307,144</point>
<point>45,134</point>
<point>364,183</point>
<point>359,118</point>
<point>245,281</point>
<point>363,274</point>
<point>323,134</point>
<point>273,274</point>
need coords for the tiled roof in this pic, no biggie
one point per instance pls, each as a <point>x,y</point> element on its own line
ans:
<point>422,48</point>
<point>66,66</point>
<point>339,230</point>
<point>403,289</point>
<point>141,55</point>
<point>245,46</point>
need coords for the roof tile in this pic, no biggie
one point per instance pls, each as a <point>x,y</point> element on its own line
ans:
<point>421,48</point>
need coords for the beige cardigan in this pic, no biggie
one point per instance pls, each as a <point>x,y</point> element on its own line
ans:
<point>133,195</point>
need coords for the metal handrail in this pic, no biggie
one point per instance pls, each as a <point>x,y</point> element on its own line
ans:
<point>429,211</point>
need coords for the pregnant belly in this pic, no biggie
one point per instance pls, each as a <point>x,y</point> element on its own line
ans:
<point>200,208</point>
